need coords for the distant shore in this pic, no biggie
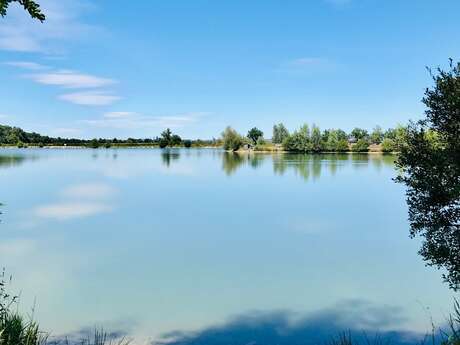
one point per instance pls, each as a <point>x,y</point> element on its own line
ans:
<point>374,150</point>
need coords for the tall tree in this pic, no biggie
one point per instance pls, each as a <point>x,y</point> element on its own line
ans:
<point>280,133</point>
<point>316,138</point>
<point>30,6</point>
<point>430,165</point>
<point>377,135</point>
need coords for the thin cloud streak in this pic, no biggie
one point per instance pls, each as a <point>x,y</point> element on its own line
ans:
<point>119,114</point>
<point>19,33</point>
<point>132,120</point>
<point>71,210</point>
<point>71,80</point>
<point>90,98</point>
<point>33,66</point>
<point>89,191</point>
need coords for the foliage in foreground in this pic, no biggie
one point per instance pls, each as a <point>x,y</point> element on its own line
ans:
<point>30,6</point>
<point>430,169</point>
<point>14,329</point>
<point>17,330</point>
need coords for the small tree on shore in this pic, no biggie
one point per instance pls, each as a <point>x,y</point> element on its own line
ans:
<point>231,139</point>
<point>254,134</point>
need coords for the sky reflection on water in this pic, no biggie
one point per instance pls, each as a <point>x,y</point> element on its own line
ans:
<point>147,242</point>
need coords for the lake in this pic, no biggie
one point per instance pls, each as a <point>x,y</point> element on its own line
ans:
<point>200,246</point>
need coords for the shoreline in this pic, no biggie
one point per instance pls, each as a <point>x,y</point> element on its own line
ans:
<point>73,147</point>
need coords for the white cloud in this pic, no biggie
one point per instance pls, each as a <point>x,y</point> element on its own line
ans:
<point>89,191</point>
<point>27,65</point>
<point>15,39</point>
<point>97,98</point>
<point>63,131</point>
<point>119,114</point>
<point>71,80</point>
<point>71,210</point>
<point>19,32</point>
<point>132,120</point>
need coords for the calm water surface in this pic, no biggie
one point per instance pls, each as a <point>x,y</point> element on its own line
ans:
<point>148,242</point>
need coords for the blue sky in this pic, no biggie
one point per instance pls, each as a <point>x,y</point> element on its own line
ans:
<point>107,68</point>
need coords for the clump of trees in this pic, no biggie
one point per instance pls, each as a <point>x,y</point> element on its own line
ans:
<point>429,161</point>
<point>168,139</point>
<point>313,140</point>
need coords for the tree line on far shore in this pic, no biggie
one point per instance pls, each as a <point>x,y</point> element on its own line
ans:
<point>306,139</point>
<point>14,136</point>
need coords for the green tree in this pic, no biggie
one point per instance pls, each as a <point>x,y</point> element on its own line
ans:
<point>166,135</point>
<point>397,135</point>
<point>332,140</point>
<point>299,141</point>
<point>94,143</point>
<point>254,134</point>
<point>388,145</point>
<point>231,139</point>
<point>430,168</point>
<point>359,133</point>
<point>175,140</point>
<point>377,135</point>
<point>341,135</point>
<point>30,6</point>
<point>337,141</point>
<point>316,139</point>
<point>280,133</point>
<point>188,143</point>
<point>342,145</point>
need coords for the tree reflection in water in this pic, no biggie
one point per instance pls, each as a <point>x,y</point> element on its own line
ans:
<point>307,166</point>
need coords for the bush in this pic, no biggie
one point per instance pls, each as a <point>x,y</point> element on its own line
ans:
<point>94,144</point>
<point>342,145</point>
<point>362,145</point>
<point>163,143</point>
<point>188,143</point>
